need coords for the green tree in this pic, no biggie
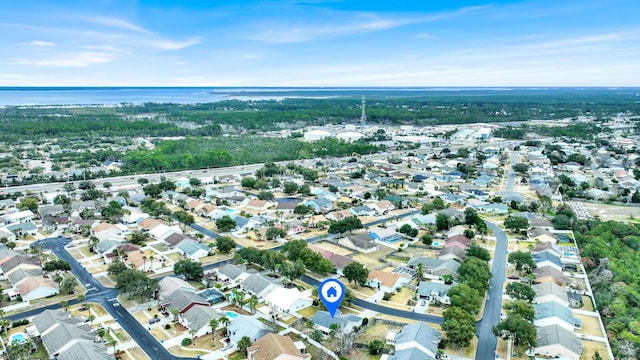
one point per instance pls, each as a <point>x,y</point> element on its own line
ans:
<point>356,272</point>
<point>520,308</point>
<point>152,190</point>
<point>68,285</point>
<point>225,223</point>
<point>344,225</point>
<point>427,239</point>
<point>139,237</point>
<point>184,217</point>
<point>475,273</point>
<point>443,222</point>
<point>470,216</point>
<point>481,253</point>
<point>521,168</point>
<point>266,195</point>
<point>301,210</point>
<point>29,203</point>
<point>243,344</point>
<point>290,187</point>
<point>248,182</point>
<point>522,332</point>
<point>225,244</point>
<point>522,260</point>
<point>275,233</point>
<point>516,223</point>
<point>191,270</point>
<point>375,347</point>
<point>116,268</point>
<point>459,326</point>
<point>635,198</point>
<point>465,297</point>
<point>521,291</point>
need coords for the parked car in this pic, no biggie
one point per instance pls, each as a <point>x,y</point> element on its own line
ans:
<point>154,320</point>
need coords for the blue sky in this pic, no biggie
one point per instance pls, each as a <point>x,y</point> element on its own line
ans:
<point>320,43</point>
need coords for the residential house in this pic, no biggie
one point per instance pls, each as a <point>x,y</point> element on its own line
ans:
<point>435,268</point>
<point>382,207</point>
<point>232,275</point>
<point>361,242</point>
<point>424,220</point>
<point>384,281</point>
<point>558,342</point>
<point>51,210</point>
<point>258,205</point>
<point>182,300</point>
<point>459,241</point>
<point>323,321</point>
<point>67,338</point>
<point>284,300</point>
<point>258,285</point>
<point>107,245</point>
<point>36,287</point>
<point>456,230</point>
<point>249,326</point>
<point>554,313</point>
<point>452,253</point>
<point>539,235</point>
<point>197,318</point>
<point>174,239</point>
<point>193,249</point>
<point>433,291</point>
<point>169,284</point>
<point>575,299</point>
<point>417,339</point>
<point>546,258</point>
<point>319,205</point>
<point>548,273</point>
<point>18,217</point>
<point>385,235</point>
<point>493,208</point>
<point>338,215</point>
<point>275,347</point>
<point>550,291</point>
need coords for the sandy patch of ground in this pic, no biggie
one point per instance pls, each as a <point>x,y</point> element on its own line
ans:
<point>334,248</point>
<point>590,325</point>
<point>612,212</point>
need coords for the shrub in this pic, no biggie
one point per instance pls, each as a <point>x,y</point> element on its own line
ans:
<point>167,326</point>
<point>387,296</point>
<point>186,342</point>
<point>19,323</point>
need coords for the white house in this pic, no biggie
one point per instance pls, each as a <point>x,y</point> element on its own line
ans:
<point>35,287</point>
<point>18,217</point>
<point>287,301</point>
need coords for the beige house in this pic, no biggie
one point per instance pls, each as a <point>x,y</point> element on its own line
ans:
<point>276,347</point>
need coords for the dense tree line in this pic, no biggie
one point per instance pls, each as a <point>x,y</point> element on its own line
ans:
<point>610,252</point>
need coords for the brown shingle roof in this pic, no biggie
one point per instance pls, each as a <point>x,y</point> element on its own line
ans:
<point>271,346</point>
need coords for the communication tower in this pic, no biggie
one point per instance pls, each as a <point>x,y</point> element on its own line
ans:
<point>363,118</point>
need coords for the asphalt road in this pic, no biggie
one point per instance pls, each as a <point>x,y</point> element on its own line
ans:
<point>487,342</point>
<point>106,297</point>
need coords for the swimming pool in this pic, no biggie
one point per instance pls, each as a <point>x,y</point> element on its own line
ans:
<point>231,314</point>
<point>18,337</point>
<point>435,243</point>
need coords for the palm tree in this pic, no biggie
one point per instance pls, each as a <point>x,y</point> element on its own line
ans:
<point>88,306</point>
<point>91,318</point>
<point>214,324</point>
<point>151,257</point>
<point>5,325</point>
<point>175,312</point>
<point>192,332</point>
<point>144,263</point>
<point>65,305</point>
<point>101,332</point>
<point>113,343</point>
<point>224,321</point>
<point>81,298</point>
<point>252,302</point>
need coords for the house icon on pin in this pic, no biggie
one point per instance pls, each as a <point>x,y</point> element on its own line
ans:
<point>332,292</point>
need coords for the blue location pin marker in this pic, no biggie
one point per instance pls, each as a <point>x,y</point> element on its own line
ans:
<point>331,292</point>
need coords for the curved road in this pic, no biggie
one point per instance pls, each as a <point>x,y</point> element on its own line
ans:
<point>487,342</point>
<point>106,297</point>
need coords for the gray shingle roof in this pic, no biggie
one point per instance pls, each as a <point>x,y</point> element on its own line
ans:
<point>555,309</point>
<point>181,299</point>
<point>243,325</point>
<point>199,316</point>
<point>409,354</point>
<point>86,350</point>
<point>425,288</point>
<point>231,271</point>
<point>554,334</point>
<point>256,283</point>
<point>19,274</point>
<point>422,334</point>
<point>547,288</point>
<point>323,318</point>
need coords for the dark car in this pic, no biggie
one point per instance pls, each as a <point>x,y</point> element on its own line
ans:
<point>154,320</point>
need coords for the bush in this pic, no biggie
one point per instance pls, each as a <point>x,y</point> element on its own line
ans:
<point>19,323</point>
<point>186,342</point>
<point>387,296</point>
<point>167,326</point>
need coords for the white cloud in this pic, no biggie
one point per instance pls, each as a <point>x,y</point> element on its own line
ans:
<point>42,43</point>
<point>163,44</point>
<point>80,59</point>
<point>119,23</point>
<point>346,23</point>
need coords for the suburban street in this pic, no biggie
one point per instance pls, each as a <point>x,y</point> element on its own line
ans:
<point>487,342</point>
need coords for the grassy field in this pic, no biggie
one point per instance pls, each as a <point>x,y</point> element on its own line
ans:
<point>377,331</point>
<point>589,348</point>
<point>399,300</point>
<point>590,325</point>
